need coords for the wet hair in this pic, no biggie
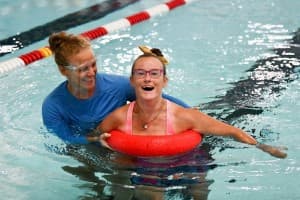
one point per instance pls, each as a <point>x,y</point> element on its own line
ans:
<point>64,45</point>
<point>155,53</point>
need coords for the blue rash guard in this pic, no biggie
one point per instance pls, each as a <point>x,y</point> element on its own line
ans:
<point>71,118</point>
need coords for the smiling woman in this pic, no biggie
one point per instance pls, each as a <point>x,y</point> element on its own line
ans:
<point>152,115</point>
<point>76,61</point>
<point>66,109</point>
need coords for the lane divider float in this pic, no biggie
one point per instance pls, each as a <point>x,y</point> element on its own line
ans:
<point>123,23</point>
<point>38,33</point>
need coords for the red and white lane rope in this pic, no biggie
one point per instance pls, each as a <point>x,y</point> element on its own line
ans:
<point>123,23</point>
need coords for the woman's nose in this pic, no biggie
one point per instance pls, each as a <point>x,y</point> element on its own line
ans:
<point>147,76</point>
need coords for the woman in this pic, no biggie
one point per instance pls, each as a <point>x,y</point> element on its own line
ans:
<point>152,114</point>
<point>75,107</point>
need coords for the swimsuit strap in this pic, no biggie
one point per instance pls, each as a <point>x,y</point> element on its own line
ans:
<point>129,118</point>
<point>169,120</point>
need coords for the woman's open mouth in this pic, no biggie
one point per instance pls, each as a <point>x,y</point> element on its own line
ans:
<point>148,88</point>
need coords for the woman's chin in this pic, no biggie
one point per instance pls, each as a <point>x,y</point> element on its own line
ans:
<point>148,96</point>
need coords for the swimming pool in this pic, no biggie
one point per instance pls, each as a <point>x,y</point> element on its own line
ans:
<point>222,57</point>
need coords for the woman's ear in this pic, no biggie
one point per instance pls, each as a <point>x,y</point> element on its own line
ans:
<point>166,80</point>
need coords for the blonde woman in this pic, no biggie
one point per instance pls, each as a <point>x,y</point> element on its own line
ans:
<point>155,115</point>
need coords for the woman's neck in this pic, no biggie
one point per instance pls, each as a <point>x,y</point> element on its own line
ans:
<point>149,106</point>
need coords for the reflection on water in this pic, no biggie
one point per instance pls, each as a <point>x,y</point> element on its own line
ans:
<point>110,175</point>
<point>266,79</point>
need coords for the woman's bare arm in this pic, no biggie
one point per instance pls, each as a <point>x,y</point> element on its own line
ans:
<point>208,125</point>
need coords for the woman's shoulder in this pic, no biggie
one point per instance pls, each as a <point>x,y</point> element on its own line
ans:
<point>58,94</point>
<point>115,120</point>
<point>174,107</point>
<point>183,114</point>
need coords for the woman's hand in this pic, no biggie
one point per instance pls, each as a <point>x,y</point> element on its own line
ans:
<point>102,140</point>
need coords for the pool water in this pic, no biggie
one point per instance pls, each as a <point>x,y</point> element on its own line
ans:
<point>225,56</point>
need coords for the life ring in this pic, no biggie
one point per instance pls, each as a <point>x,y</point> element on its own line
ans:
<point>154,145</point>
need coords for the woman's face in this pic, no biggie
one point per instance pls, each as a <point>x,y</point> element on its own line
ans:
<point>81,72</point>
<point>148,78</point>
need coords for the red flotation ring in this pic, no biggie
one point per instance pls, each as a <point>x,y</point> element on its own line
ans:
<point>153,145</point>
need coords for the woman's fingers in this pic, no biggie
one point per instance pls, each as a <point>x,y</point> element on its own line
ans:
<point>274,151</point>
